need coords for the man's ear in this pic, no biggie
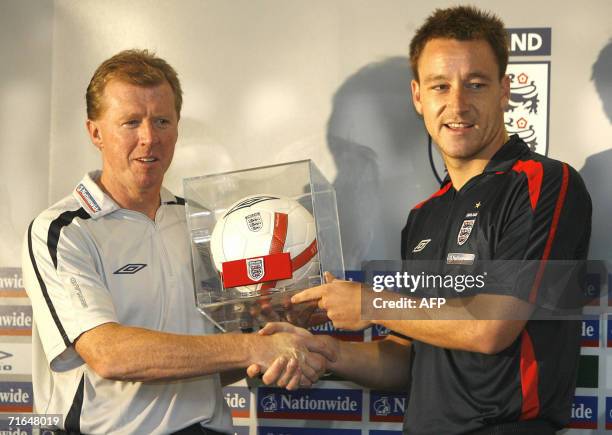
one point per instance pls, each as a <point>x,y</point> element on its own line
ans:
<point>416,96</point>
<point>94,133</point>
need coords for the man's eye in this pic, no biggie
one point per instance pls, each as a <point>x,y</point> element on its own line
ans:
<point>162,122</point>
<point>440,87</point>
<point>131,123</point>
<point>476,85</point>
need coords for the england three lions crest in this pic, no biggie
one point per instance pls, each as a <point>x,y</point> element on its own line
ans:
<point>254,221</point>
<point>528,107</point>
<point>255,269</point>
<point>465,231</point>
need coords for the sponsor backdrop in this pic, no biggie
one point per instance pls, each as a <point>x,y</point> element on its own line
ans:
<point>268,82</point>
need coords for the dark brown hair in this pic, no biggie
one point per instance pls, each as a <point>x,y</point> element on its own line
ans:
<point>464,23</point>
<point>138,67</point>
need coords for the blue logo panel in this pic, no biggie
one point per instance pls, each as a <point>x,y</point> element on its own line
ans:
<point>327,328</point>
<point>589,332</point>
<point>11,429</point>
<point>530,41</point>
<point>16,397</point>
<point>271,430</point>
<point>584,413</point>
<point>387,406</point>
<point>239,401</point>
<point>241,430</point>
<point>314,404</point>
<point>608,413</point>
<point>379,332</point>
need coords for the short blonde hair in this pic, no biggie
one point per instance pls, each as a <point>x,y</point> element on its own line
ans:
<point>138,67</point>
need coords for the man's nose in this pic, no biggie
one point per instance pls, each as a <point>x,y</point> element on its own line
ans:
<point>459,100</point>
<point>146,133</point>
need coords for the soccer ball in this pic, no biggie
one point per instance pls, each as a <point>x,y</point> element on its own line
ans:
<point>259,225</point>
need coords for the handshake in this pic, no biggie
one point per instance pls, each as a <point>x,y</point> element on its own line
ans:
<point>291,357</point>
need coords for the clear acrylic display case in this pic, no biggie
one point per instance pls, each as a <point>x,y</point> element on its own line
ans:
<point>208,199</point>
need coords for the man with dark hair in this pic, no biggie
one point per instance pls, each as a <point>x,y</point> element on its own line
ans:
<point>118,346</point>
<point>502,371</point>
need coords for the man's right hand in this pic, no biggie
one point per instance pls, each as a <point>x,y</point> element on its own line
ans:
<point>311,358</point>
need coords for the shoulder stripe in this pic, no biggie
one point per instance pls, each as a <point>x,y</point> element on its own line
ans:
<point>56,228</point>
<point>44,291</point>
<point>440,192</point>
<point>551,233</point>
<point>535,173</point>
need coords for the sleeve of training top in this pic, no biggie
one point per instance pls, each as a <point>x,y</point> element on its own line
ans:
<point>549,219</point>
<point>65,287</point>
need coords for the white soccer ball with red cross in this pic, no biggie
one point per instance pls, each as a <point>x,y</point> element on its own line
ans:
<point>250,243</point>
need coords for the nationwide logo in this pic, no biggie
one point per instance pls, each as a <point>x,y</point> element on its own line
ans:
<point>15,320</point>
<point>15,397</point>
<point>327,328</point>
<point>590,333</point>
<point>379,332</point>
<point>277,430</point>
<point>11,283</point>
<point>315,404</point>
<point>87,198</point>
<point>387,407</point>
<point>129,269</point>
<point>584,413</point>
<point>239,401</point>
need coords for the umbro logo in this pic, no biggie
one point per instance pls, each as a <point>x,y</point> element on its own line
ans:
<point>4,354</point>
<point>421,245</point>
<point>129,269</point>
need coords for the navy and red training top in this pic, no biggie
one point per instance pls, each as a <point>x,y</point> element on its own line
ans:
<point>523,207</point>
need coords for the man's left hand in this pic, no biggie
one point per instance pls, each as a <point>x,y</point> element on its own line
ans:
<point>340,299</point>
